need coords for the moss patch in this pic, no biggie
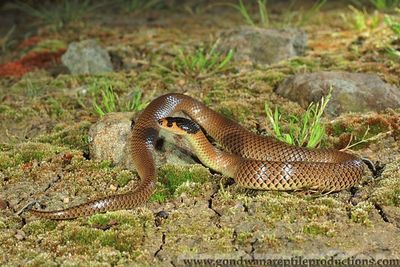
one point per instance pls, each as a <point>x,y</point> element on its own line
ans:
<point>313,229</point>
<point>387,191</point>
<point>27,152</point>
<point>360,213</point>
<point>75,136</point>
<point>171,177</point>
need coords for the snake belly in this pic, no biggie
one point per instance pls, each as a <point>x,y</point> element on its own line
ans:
<point>266,163</point>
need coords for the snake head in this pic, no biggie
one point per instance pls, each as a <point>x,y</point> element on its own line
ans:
<point>179,125</point>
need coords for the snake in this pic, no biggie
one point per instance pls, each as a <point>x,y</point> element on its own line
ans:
<point>253,161</point>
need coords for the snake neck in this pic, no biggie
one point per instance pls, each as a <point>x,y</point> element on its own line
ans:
<point>218,160</point>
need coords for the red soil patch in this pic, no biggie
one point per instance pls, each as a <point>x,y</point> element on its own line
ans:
<point>31,61</point>
<point>30,42</point>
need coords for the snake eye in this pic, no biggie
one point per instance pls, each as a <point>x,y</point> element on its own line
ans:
<point>166,122</point>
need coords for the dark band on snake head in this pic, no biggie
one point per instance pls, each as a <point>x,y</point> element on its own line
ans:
<point>184,124</point>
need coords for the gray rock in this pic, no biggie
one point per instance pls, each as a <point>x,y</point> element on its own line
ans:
<point>108,138</point>
<point>352,92</point>
<point>87,57</point>
<point>264,46</point>
<point>109,141</point>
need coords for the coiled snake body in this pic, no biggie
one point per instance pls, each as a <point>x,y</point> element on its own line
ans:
<point>259,162</point>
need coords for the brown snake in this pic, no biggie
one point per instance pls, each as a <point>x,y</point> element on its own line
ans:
<point>264,162</point>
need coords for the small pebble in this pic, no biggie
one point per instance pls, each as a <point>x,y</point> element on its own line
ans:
<point>181,82</point>
<point>160,217</point>
<point>67,158</point>
<point>162,214</point>
<point>20,235</point>
<point>113,188</point>
<point>3,204</point>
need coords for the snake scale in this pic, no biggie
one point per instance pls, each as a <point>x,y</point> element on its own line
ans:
<point>259,162</point>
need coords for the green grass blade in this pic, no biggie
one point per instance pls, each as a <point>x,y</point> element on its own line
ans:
<point>226,60</point>
<point>262,8</point>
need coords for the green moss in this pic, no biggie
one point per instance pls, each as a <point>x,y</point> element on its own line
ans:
<point>41,259</point>
<point>360,129</point>
<point>276,206</point>
<point>216,94</point>
<point>236,111</point>
<point>105,164</point>
<point>360,213</point>
<point>114,239</point>
<point>51,45</point>
<point>103,169</point>
<point>99,220</point>
<point>123,178</point>
<point>40,227</point>
<point>27,152</point>
<point>6,161</point>
<point>122,239</point>
<point>35,151</point>
<point>192,189</point>
<point>329,202</point>
<point>4,108</point>
<point>376,127</point>
<point>32,85</point>
<point>341,127</point>
<point>336,61</point>
<point>3,225</point>
<point>392,196</point>
<point>315,211</point>
<point>387,192</point>
<point>171,177</point>
<point>273,77</point>
<point>74,136</point>
<point>302,63</point>
<point>161,194</point>
<point>81,235</point>
<point>271,240</point>
<point>114,80</point>
<point>315,228</point>
<point>26,155</point>
<point>54,108</point>
<point>338,128</point>
<point>243,238</point>
<point>17,114</point>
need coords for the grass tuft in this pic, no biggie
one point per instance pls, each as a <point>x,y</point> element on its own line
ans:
<point>140,5</point>
<point>110,102</point>
<point>291,17</point>
<point>7,41</point>
<point>361,20</point>
<point>57,13</point>
<point>200,64</point>
<point>262,10</point>
<point>306,131</point>
<point>385,5</point>
<point>300,17</point>
<point>394,25</point>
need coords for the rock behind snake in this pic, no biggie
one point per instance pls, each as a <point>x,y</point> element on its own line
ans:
<point>269,164</point>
